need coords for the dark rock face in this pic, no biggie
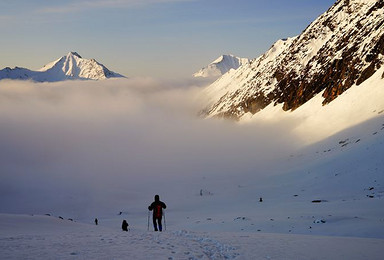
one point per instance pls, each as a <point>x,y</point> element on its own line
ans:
<point>349,39</point>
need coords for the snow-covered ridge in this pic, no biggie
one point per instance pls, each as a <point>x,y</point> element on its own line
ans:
<point>341,49</point>
<point>220,66</point>
<point>362,1</point>
<point>72,66</point>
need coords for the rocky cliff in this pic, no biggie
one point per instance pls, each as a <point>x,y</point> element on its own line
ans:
<point>340,49</point>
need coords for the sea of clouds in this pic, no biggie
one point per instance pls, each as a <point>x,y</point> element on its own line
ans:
<point>86,145</point>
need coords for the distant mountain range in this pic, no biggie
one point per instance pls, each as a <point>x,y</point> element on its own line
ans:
<point>341,49</point>
<point>69,67</point>
<point>221,66</point>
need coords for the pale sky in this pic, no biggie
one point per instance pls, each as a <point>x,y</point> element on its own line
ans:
<point>155,38</point>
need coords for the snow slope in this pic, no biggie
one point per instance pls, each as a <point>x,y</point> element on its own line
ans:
<point>356,105</point>
<point>72,66</point>
<point>339,50</point>
<point>42,237</point>
<point>220,66</point>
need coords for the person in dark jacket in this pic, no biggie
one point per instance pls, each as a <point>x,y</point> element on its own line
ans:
<point>125,225</point>
<point>157,206</point>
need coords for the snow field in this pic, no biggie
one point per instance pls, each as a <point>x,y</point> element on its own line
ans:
<point>43,237</point>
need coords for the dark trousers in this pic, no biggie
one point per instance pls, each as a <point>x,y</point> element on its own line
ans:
<point>157,221</point>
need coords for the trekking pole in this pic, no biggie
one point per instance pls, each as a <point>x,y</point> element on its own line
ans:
<point>165,222</point>
<point>148,221</point>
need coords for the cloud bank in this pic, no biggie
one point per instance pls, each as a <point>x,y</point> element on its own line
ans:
<point>83,145</point>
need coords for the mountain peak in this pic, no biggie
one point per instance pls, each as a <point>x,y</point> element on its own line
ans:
<point>224,57</point>
<point>69,67</point>
<point>73,53</point>
<point>339,50</point>
<point>220,66</point>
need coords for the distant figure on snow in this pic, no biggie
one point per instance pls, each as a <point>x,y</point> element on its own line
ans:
<point>125,225</point>
<point>157,206</point>
<point>96,222</point>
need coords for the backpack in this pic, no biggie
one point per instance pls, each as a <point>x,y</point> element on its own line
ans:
<point>158,211</point>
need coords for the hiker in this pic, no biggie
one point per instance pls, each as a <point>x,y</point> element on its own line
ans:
<point>157,206</point>
<point>96,221</point>
<point>125,225</point>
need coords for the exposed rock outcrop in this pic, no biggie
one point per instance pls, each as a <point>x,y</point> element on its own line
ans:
<point>340,49</point>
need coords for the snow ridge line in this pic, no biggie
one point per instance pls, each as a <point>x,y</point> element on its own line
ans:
<point>213,249</point>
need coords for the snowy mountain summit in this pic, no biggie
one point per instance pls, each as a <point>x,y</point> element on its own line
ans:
<point>341,49</point>
<point>221,66</point>
<point>69,67</point>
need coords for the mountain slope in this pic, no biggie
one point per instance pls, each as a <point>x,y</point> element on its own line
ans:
<point>72,66</point>
<point>221,66</point>
<point>340,49</point>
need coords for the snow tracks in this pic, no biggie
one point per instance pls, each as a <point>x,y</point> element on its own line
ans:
<point>42,237</point>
